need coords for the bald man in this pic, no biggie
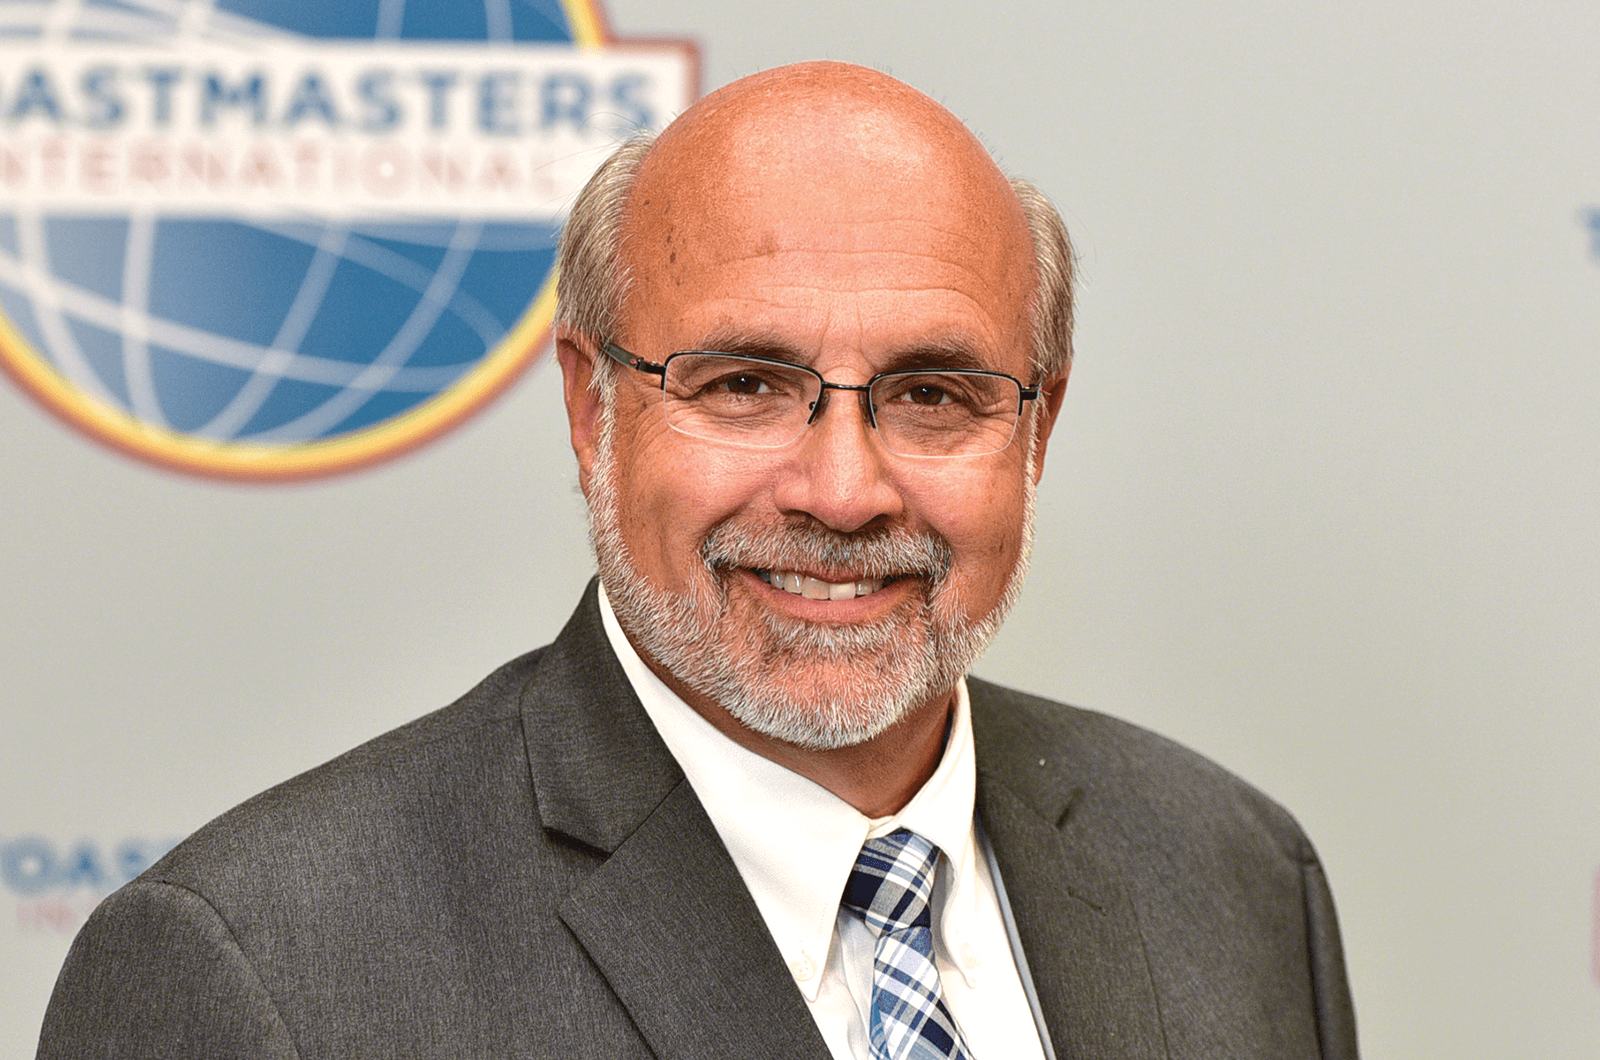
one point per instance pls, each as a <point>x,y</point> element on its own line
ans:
<point>748,804</point>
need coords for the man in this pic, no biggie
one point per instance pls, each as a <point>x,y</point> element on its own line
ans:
<point>813,344</point>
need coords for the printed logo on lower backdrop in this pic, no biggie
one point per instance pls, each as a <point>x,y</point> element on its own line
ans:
<point>56,883</point>
<point>265,239</point>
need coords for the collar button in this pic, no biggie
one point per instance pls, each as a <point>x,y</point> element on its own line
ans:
<point>802,968</point>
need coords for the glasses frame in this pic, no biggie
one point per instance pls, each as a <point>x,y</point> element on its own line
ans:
<point>1025,391</point>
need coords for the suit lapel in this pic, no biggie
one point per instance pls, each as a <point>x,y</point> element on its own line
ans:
<point>1074,917</point>
<point>670,923</point>
<point>665,917</point>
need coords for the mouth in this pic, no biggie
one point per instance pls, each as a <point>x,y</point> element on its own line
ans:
<point>813,588</point>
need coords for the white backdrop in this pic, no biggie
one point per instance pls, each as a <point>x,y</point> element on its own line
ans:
<point>1322,502</point>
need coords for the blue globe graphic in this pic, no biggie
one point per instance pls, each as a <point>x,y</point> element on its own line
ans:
<point>267,333</point>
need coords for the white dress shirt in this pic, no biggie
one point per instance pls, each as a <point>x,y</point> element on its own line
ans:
<point>794,843</point>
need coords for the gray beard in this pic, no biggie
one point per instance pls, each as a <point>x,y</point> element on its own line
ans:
<point>809,684</point>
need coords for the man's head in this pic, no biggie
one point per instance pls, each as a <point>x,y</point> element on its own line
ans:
<point>833,217</point>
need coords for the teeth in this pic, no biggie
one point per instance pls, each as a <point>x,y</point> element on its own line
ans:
<point>817,589</point>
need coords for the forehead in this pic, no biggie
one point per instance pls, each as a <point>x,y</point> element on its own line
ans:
<point>847,236</point>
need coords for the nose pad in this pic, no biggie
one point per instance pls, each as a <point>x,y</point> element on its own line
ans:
<point>818,406</point>
<point>868,412</point>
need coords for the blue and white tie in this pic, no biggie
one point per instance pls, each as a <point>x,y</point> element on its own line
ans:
<point>889,890</point>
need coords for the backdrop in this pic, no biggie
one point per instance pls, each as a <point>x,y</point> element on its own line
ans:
<point>1322,501</point>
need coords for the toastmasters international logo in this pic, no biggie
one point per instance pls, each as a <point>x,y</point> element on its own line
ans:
<point>279,238</point>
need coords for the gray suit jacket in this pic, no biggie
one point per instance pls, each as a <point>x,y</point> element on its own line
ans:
<point>526,873</point>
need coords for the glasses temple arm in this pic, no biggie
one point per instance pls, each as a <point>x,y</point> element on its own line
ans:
<point>623,357</point>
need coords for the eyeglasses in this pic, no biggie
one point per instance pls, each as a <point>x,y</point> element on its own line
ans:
<point>765,403</point>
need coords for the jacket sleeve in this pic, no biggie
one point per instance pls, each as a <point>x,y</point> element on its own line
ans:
<point>1336,1017</point>
<point>156,973</point>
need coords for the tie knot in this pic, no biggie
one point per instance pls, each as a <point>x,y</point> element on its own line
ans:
<point>891,882</point>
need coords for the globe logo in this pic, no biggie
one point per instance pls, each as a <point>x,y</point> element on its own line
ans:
<point>268,239</point>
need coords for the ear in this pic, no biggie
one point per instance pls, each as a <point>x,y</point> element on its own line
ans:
<point>576,354</point>
<point>1051,392</point>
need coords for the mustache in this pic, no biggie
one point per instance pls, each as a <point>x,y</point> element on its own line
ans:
<point>880,552</point>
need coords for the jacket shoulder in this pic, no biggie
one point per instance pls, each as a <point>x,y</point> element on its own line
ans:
<point>1119,774</point>
<point>377,795</point>
<point>402,897</point>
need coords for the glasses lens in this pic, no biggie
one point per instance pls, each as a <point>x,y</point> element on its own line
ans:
<point>946,413</point>
<point>738,400</point>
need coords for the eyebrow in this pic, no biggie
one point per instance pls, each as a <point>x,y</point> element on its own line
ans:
<point>936,355</point>
<point>750,344</point>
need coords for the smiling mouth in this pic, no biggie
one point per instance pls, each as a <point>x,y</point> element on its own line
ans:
<point>817,589</point>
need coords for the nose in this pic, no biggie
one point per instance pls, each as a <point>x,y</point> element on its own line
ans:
<point>838,472</point>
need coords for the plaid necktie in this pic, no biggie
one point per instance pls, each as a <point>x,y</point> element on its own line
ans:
<point>889,889</point>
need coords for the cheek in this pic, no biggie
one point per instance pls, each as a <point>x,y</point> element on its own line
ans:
<point>675,496</point>
<point>980,515</point>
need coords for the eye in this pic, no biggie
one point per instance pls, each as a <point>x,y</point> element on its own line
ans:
<point>925,390</point>
<point>927,394</point>
<point>743,384</point>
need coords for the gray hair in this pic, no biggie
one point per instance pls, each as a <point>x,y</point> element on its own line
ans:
<point>1054,268</point>
<point>593,281</point>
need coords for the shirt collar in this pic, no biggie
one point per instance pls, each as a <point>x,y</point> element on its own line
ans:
<point>793,841</point>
